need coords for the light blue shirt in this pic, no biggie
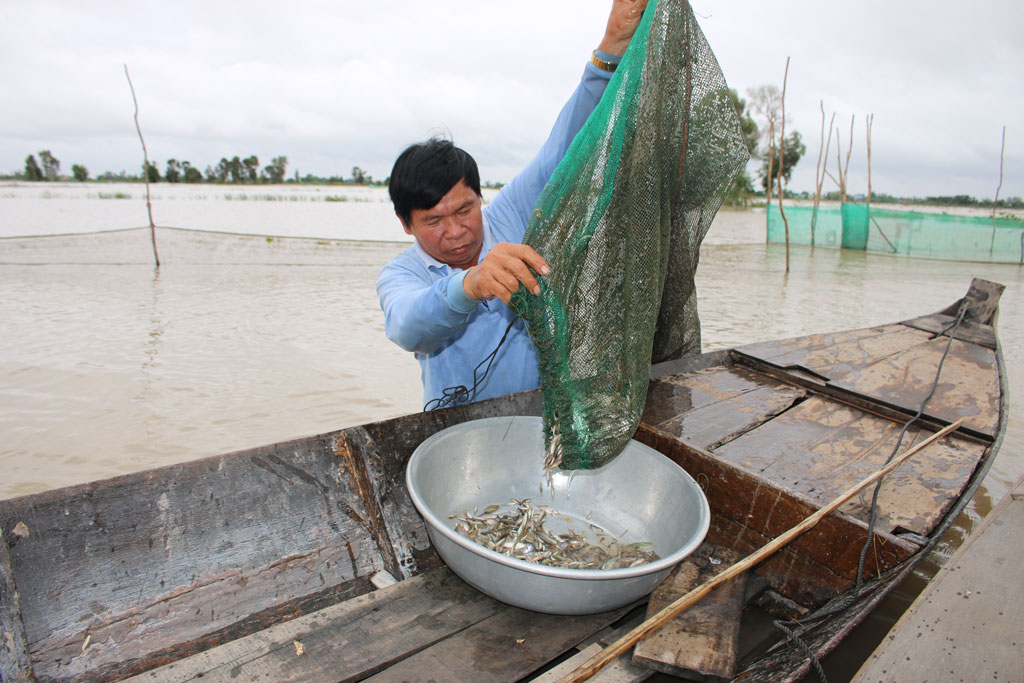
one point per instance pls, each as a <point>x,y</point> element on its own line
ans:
<point>426,309</point>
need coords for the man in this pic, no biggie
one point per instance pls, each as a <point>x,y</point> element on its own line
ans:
<point>445,298</point>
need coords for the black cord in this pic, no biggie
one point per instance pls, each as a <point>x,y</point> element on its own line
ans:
<point>453,396</point>
<point>790,627</point>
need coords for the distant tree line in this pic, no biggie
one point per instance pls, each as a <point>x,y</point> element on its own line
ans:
<point>945,200</point>
<point>50,167</point>
<point>234,171</point>
<point>238,171</point>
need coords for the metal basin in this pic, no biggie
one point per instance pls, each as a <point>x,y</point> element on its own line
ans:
<point>639,496</point>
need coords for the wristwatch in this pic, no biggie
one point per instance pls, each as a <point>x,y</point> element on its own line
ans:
<point>601,64</point>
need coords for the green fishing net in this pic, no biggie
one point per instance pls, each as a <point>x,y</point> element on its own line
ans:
<point>620,223</point>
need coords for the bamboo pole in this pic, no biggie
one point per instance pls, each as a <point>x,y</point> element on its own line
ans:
<point>849,151</point>
<point>145,168</point>
<point>819,168</point>
<point>1002,150</point>
<point>597,662</point>
<point>839,169</point>
<point>771,159</point>
<point>782,147</point>
<point>871,120</point>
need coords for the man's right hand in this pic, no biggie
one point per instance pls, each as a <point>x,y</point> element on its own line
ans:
<point>622,22</point>
<point>501,271</point>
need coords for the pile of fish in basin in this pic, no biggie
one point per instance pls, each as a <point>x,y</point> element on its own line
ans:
<point>639,515</point>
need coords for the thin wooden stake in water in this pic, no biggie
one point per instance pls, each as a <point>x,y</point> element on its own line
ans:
<point>145,168</point>
<point>782,147</point>
<point>596,663</point>
<point>819,169</point>
<point>995,202</point>
<point>871,121</point>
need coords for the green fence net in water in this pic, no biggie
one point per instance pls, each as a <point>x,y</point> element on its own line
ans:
<point>907,233</point>
<point>620,223</point>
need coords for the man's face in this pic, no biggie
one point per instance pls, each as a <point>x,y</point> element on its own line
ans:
<point>452,231</point>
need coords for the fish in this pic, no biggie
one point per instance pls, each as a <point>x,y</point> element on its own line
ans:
<point>553,455</point>
<point>519,532</point>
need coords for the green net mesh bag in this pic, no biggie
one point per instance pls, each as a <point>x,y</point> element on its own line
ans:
<point>620,223</point>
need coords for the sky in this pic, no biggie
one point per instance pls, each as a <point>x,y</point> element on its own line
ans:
<point>336,84</point>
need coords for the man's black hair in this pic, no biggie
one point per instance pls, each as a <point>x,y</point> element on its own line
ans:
<point>425,172</point>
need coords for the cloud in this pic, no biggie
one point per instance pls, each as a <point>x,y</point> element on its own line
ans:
<point>332,85</point>
<point>939,77</point>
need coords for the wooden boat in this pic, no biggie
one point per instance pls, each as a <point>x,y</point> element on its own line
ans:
<point>274,563</point>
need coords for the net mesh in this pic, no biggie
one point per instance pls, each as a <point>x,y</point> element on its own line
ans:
<point>907,233</point>
<point>620,223</point>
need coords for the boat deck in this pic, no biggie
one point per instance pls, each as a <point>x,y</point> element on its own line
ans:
<point>966,624</point>
<point>430,627</point>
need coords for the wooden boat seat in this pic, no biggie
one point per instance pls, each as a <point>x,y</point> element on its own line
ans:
<point>703,642</point>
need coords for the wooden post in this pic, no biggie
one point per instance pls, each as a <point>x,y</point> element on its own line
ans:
<point>782,147</point>
<point>819,168</point>
<point>871,120</point>
<point>841,182</point>
<point>591,667</point>
<point>1002,149</point>
<point>771,159</point>
<point>849,151</point>
<point>843,170</point>
<point>145,168</point>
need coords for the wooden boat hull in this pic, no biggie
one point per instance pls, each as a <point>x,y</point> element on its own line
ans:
<point>118,577</point>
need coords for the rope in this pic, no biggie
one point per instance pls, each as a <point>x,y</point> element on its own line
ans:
<point>453,396</point>
<point>789,628</point>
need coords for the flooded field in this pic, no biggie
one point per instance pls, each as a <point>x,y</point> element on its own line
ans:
<point>247,335</point>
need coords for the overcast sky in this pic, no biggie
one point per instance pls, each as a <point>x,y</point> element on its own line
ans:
<point>335,84</point>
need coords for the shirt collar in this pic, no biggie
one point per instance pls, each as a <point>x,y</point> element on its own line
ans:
<point>433,264</point>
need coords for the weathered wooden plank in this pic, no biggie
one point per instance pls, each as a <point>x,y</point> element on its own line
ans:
<point>172,561</point>
<point>158,565</point>
<point>982,301</point>
<point>702,643</point>
<point>969,331</point>
<point>15,663</point>
<point>966,625</point>
<point>673,395</point>
<point>836,354</point>
<point>504,647</point>
<point>968,384</point>
<point>711,407</point>
<point>747,511</point>
<point>397,535</point>
<point>701,361</point>
<point>820,448</point>
<point>618,671</point>
<point>343,642</point>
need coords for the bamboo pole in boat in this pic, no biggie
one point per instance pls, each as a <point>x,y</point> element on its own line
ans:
<point>598,661</point>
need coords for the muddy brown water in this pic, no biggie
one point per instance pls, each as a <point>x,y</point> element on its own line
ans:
<point>112,366</point>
